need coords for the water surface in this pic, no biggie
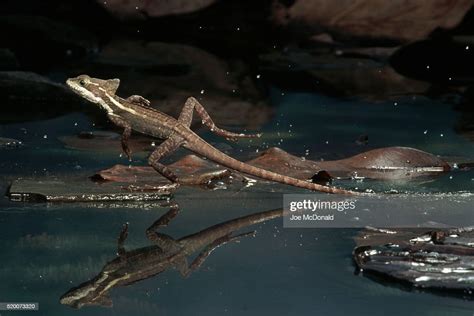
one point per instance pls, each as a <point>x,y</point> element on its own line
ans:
<point>49,248</point>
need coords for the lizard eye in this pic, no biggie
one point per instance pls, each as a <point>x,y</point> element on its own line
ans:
<point>82,82</point>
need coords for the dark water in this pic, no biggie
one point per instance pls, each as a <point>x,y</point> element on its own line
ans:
<point>49,248</point>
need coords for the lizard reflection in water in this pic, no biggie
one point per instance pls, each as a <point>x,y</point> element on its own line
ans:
<point>139,264</point>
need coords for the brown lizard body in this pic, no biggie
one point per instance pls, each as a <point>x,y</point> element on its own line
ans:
<point>138,264</point>
<point>134,113</point>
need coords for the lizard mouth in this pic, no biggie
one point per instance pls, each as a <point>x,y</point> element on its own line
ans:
<point>83,92</point>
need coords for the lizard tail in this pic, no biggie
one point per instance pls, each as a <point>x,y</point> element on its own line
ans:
<point>215,155</point>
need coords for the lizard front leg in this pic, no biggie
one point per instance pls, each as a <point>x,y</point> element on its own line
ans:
<point>138,99</point>
<point>121,240</point>
<point>127,131</point>
<point>186,118</point>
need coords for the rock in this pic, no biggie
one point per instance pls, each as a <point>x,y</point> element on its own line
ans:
<point>29,96</point>
<point>401,21</point>
<point>339,75</point>
<point>52,41</point>
<point>440,259</point>
<point>388,163</point>
<point>8,60</point>
<point>434,67</point>
<point>136,9</point>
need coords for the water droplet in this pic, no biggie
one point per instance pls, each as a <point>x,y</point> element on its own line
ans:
<point>45,136</point>
<point>202,91</point>
<point>258,76</point>
<point>441,135</point>
<point>425,132</point>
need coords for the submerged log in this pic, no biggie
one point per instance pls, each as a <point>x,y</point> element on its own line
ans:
<point>140,183</point>
<point>82,190</point>
<point>384,163</point>
<point>191,170</point>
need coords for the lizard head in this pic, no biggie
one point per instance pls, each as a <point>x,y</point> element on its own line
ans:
<point>93,89</point>
<point>93,292</point>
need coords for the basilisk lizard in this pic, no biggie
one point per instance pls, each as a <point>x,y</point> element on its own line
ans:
<point>135,113</point>
<point>142,263</point>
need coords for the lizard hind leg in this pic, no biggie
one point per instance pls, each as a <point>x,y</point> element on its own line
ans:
<point>186,118</point>
<point>165,242</point>
<point>165,148</point>
<point>199,260</point>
